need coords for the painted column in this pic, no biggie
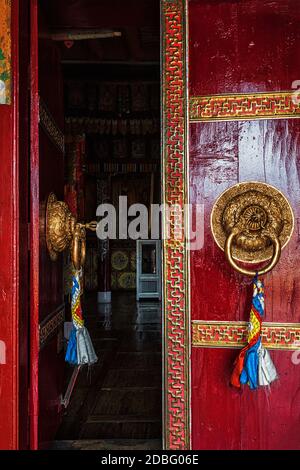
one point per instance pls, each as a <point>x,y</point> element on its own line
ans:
<point>11,335</point>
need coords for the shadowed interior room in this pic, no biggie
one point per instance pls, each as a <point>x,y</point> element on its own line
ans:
<point>99,76</point>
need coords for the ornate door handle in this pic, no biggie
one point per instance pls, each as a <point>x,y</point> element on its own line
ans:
<point>63,231</point>
<point>252,222</point>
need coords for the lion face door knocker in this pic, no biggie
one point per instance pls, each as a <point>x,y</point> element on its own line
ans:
<point>252,222</point>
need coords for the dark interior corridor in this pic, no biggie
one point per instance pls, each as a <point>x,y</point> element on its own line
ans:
<point>117,402</point>
<point>99,79</point>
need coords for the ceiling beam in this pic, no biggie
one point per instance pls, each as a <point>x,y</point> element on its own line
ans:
<point>80,34</point>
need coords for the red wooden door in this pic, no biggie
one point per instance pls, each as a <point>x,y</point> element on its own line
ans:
<point>47,301</point>
<point>243,48</point>
<point>14,243</point>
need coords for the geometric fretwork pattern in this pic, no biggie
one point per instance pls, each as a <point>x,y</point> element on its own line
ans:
<point>49,125</point>
<point>51,324</point>
<point>275,105</point>
<point>174,93</point>
<point>230,334</point>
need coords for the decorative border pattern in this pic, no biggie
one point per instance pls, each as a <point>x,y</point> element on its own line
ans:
<point>175,258</point>
<point>226,334</point>
<point>275,105</point>
<point>51,324</point>
<point>49,125</point>
<point>5,52</point>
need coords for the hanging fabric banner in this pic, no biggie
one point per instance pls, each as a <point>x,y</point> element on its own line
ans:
<point>5,52</point>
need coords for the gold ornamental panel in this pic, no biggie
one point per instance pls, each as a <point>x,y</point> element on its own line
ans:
<point>127,280</point>
<point>119,260</point>
<point>245,106</point>
<point>233,334</point>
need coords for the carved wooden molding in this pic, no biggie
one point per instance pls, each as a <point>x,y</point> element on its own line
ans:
<point>275,105</point>
<point>175,256</point>
<point>233,334</point>
<point>51,128</point>
<point>50,325</point>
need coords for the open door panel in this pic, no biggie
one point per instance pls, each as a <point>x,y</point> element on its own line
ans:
<point>47,167</point>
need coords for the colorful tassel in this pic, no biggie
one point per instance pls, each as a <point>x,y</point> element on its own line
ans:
<point>254,365</point>
<point>80,349</point>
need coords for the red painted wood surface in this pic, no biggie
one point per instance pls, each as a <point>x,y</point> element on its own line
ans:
<point>14,269</point>
<point>9,266</point>
<point>24,151</point>
<point>13,229</point>
<point>34,226</point>
<point>243,47</point>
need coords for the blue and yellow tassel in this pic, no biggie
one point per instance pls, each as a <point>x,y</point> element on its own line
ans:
<point>254,365</point>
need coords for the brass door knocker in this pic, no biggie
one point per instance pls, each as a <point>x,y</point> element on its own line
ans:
<point>78,247</point>
<point>252,222</point>
<point>63,231</point>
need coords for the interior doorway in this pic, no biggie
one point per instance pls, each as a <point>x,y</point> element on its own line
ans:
<point>105,55</point>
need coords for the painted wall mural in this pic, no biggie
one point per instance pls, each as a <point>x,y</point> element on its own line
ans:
<point>5,51</point>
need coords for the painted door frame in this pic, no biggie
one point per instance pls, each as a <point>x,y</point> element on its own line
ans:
<point>34,227</point>
<point>176,305</point>
<point>9,238</point>
<point>14,338</point>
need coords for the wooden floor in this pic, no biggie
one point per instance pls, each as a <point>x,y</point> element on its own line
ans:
<point>108,444</point>
<point>118,399</point>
